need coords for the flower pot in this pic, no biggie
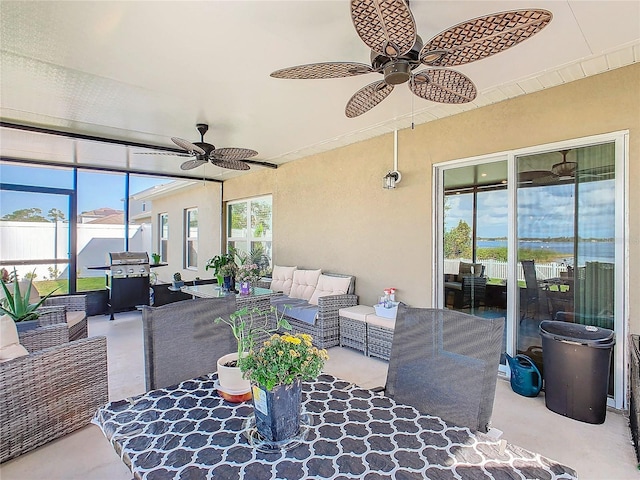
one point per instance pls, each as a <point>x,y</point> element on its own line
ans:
<point>227,282</point>
<point>230,378</point>
<point>245,288</point>
<point>277,411</point>
<point>27,325</point>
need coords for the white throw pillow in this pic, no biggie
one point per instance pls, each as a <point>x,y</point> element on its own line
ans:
<point>10,347</point>
<point>328,285</point>
<point>282,278</point>
<point>304,283</point>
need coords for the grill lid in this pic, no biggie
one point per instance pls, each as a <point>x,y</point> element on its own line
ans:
<point>128,258</point>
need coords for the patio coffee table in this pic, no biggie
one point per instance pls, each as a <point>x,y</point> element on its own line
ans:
<point>188,431</point>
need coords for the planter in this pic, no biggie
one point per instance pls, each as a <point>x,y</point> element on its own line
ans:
<point>28,325</point>
<point>227,283</point>
<point>231,386</point>
<point>277,412</point>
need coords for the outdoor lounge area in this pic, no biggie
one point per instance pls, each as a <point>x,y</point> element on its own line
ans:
<point>353,165</point>
<point>525,422</point>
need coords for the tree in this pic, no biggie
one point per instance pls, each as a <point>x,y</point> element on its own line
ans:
<point>56,215</point>
<point>25,215</point>
<point>457,241</point>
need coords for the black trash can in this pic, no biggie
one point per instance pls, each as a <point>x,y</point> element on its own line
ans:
<point>576,369</point>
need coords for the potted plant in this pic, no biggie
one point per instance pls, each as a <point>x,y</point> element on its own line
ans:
<point>276,372</point>
<point>228,272</point>
<point>216,263</point>
<point>17,304</point>
<point>247,275</point>
<point>177,281</point>
<point>155,257</point>
<point>246,324</point>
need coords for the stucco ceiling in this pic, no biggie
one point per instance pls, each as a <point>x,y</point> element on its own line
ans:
<point>144,71</point>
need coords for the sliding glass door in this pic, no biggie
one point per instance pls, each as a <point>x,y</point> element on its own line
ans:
<point>535,235</point>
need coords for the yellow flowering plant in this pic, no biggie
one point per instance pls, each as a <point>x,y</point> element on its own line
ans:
<point>282,359</point>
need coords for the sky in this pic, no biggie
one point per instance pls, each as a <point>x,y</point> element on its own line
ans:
<point>543,212</point>
<point>95,189</point>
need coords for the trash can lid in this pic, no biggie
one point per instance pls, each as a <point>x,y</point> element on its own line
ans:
<point>577,333</point>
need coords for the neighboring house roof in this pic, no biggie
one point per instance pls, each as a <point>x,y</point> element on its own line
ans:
<point>101,212</point>
<point>115,219</point>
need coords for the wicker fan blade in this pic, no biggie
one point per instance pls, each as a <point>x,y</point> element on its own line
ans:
<point>232,153</point>
<point>191,164</point>
<point>188,146</point>
<point>482,37</point>
<point>366,98</point>
<point>230,164</point>
<point>385,26</point>
<point>323,70</point>
<point>443,86</point>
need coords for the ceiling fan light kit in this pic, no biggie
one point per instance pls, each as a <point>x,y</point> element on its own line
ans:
<point>388,28</point>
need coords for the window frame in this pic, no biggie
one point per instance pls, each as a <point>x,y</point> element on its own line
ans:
<point>163,242</point>
<point>249,239</point>
<point>190,243</point>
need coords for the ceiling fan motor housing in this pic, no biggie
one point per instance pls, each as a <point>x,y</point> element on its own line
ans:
<point>397,70</point>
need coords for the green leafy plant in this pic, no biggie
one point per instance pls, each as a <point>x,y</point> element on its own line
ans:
<point>283,359</point>
<point>156,258</point>
<point>247,323</point>
<point>228,270</point>
<point>177,277</point>
<point>17,305</point>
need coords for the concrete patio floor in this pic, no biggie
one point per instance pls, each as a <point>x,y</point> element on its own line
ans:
<point>594,451</point>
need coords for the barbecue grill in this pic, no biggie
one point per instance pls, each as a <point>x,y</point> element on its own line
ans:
<point>127,281</point>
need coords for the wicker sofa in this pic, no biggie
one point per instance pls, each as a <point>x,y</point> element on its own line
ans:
<point>54,390</point>
<point>310,301</point>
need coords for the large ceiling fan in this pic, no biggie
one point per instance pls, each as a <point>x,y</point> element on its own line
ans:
<point>389,29</point>
<point>203,152</point>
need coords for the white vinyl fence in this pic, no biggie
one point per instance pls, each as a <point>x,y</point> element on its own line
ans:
<point>40,240</point>
<point>497,269</point>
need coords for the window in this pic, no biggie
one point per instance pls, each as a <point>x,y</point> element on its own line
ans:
<point>249,229</point>
<point>191,238</point>
<point>163,227</point>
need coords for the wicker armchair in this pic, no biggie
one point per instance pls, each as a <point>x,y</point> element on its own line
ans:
<point>74,308</point>
<point>50,392</point>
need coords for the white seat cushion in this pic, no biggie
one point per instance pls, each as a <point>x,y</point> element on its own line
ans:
<point>304,283</point>
<point>358,312</point>
<point>329,285</point>
<point>282,279</point>
<point>10,346</point>
<point>73,318</point>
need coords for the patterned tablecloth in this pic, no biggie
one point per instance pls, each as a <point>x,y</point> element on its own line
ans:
<point>189,432</point>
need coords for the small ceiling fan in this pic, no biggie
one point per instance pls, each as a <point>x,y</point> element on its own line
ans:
<point>389,29</point>
<point>203,152</point>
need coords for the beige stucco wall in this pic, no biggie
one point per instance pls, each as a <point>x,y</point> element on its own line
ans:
<point>331,212</point>
<point>206,197</point>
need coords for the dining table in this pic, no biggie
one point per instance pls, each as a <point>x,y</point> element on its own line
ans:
<point>188,431</point>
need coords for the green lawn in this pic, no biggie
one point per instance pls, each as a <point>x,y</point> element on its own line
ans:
<point>84,285</point>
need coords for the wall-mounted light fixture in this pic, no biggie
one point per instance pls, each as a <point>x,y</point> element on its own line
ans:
<point>392,178</point>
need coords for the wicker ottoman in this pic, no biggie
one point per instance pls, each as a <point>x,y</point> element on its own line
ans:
<point>353,327</point>
<point>379,336</point>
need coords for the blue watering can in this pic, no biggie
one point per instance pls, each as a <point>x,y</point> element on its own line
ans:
<point>526,379</point>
